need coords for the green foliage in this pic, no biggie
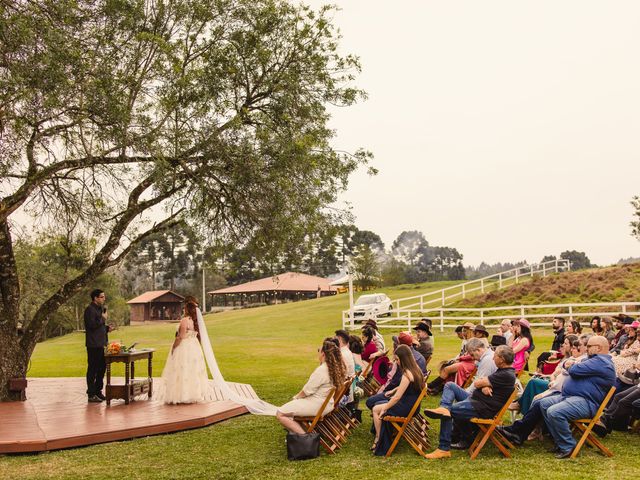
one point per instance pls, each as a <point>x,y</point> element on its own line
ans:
<point>48,260</point>
<point>579,260</point>
<point>366,267</point>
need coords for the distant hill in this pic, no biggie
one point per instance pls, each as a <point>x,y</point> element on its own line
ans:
<point>620,283</point>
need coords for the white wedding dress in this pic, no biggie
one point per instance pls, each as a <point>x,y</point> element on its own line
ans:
<point>184,377</point>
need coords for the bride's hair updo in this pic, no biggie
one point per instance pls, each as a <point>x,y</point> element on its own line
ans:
<point>190,310</point>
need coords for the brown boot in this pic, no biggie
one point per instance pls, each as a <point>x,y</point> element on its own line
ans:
<point>437,453</point>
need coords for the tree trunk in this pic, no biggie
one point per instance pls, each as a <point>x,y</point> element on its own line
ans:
<point>13,363</point>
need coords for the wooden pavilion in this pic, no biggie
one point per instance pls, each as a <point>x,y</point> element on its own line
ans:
<point>156,305</point>
<point>284,287</point>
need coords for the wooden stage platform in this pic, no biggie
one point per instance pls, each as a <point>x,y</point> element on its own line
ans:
<point>57,415</point>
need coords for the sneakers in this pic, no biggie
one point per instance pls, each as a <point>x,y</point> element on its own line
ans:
<point>95,399</point>
<point>438,454</point>
<point>437,412</point>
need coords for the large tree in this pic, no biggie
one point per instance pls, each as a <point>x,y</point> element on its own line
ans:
<point>123,118</point>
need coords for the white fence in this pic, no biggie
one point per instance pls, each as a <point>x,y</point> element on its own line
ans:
<point>452,317</point>
<point>428,301</point>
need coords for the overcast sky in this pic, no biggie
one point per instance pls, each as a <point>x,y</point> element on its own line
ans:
<point>506,129</point>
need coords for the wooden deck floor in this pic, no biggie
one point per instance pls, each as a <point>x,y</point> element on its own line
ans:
<point>57,415</point>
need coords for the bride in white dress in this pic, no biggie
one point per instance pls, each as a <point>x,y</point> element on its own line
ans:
<point>185,376</point>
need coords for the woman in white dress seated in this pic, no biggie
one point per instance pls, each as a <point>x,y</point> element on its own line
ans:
<point>185,378</point>
<point>330,373</point>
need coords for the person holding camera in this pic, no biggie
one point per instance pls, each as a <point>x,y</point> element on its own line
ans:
<point>96,338</point>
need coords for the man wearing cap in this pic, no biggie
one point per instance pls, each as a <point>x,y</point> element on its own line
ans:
<point>424,344</point>
<point>622,340</point>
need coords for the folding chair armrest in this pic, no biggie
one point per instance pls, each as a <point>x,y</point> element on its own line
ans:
<point>485,421</point>
<point>389,418</point>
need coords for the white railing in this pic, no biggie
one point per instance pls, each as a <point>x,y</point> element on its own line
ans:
<point>452,317</point>
<point>460,291</point>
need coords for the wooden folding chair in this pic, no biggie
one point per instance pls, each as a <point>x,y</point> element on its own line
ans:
<point>315,424</point>
<point>488,432</point>
<point>338,422</point>
<point>409,430</point>
<point>469,380</point>
<point>369,384</point>
<point>584,427</point>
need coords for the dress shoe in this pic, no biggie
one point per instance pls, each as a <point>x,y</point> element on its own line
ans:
<point>460,446</point>
<point>437,412</point>
<point>437,453</point>
<point>561,455</point>
<point>601,429</point>
<point>95,399</point>
<point>512,437</point>
<point>101,396</point>
<point>553,449</point>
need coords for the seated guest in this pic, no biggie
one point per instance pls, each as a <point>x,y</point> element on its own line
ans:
<point>622,341</point>
<point>424,342</point>
<point>378,338</point>
<point>395,373</point>
<point>371,354</point>
<point>596,325</point>
<point>481,332</point>
<point>505,330</point>
<point>356,347</point>
<point>401,399</point>
<point>538,384</point>
<point>330,373</point>
<point>617,415</point>
<point>574,328</point>
<point>448,370</point>
<point>556,346</point>
<point>582,393</point>
<point>343,339</point>
<point>487,399</point>
<point>521,343</point>
<point>620,325</point>
<point>628,355</point>
<point>523,429</point>
<point>608,331</point>
<point>343,343</point>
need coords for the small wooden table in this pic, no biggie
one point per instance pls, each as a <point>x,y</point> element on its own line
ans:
<point>131,387</point>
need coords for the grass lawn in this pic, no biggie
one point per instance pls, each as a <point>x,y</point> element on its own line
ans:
<point>274,349</point>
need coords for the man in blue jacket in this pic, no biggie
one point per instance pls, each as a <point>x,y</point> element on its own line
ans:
<point>582,394</point>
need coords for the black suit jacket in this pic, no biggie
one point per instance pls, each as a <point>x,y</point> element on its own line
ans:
<point>94,326</point>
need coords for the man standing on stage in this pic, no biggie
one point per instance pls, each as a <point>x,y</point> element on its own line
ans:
<point>96,331</point>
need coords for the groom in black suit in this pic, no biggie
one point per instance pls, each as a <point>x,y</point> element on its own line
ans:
<point>96,339</point>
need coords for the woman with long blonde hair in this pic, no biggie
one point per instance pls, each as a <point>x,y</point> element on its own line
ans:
<point>331,372</point>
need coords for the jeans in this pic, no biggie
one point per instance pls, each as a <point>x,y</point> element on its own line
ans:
<point>460,411</point>
<point>618,413</point>
<point>558,412</point>
<point>452,393</point>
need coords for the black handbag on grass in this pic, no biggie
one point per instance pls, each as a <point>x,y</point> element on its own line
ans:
<point>303,446</point>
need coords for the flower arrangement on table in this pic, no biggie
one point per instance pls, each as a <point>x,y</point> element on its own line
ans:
<point>114,348</point>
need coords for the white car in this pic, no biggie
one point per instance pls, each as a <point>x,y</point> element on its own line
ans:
<point>371,305</point>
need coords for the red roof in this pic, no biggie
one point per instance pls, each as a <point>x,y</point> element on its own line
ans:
<point>283,282</point>
<point>152,295</point>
